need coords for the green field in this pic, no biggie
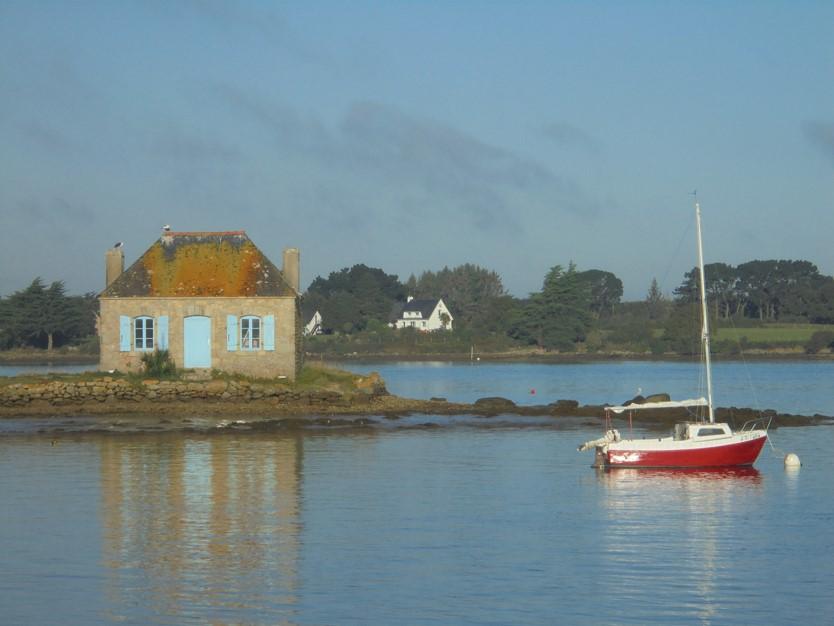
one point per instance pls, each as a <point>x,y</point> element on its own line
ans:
<point>772,334</point>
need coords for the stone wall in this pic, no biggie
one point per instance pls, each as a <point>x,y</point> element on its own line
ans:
<point>283,361</point>
<point>119,390</point>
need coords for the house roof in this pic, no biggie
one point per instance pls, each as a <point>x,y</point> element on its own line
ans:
<point>424,307</point>
<point>218,264</point>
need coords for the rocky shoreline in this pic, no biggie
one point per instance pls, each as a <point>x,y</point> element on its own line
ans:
<point>152,399</point>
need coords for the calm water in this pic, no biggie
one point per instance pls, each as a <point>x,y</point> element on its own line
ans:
<point>477,522</point>
<point>58,368</point>
<point>798,387</point>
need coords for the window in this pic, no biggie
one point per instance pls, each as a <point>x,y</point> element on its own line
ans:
<point>706,432</point>
<point>250,333</point>
<point>143,333</point>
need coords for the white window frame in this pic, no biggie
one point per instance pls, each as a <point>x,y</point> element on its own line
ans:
<point>251,333</point>
<point>144,328</point>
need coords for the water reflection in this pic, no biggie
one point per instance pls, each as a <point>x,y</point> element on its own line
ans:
<point>699,477</point>
<point>196,527</point>
<point>673,528</point>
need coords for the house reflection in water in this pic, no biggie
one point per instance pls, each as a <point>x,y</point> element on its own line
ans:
<point>201,525</point>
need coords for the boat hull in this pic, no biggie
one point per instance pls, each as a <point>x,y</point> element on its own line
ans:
<point>742,451</point>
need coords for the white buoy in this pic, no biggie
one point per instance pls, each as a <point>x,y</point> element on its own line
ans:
<point>791,460</point>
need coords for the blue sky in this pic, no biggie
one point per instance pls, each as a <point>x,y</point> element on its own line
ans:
<point>409,136</point>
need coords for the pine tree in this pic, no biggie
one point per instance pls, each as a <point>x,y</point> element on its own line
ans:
<point>654,301</point>
<point>40,312</point>
<point>559,315</point>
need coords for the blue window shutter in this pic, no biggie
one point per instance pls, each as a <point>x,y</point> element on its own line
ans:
<point>269,332</point>
<point>231,333</point>
<point>124,333</point>
<point>162,332</point>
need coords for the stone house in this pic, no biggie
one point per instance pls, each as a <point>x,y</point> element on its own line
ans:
<point>212,299</point>
<point>425,315</point>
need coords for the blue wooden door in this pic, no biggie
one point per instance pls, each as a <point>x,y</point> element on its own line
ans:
<point>197,346</point>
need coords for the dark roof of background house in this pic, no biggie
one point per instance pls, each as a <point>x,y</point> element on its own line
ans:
<point>425,307</point>
<point>213,264</point>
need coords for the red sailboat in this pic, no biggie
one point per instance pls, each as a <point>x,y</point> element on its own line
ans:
<point>699,443</point>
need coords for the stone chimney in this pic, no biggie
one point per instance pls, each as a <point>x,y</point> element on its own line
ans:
<point>114,264</point>
<point>292,268</point>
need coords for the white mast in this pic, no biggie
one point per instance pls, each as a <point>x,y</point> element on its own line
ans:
<point>704,315</point>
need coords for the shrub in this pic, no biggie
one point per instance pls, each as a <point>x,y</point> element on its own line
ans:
<point>820,340</point>
<point>89,345</point>
<point>634,334</point>
<point>159,363</point>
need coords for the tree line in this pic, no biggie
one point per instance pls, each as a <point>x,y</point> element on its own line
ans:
<point>45,316</point>
<point>576,307</point>
<point>361,298</point>
<point>572,308</point>
<point>765,290</point>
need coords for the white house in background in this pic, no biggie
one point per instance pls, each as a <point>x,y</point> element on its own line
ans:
<point>425,315</point>
<point>313,327</point>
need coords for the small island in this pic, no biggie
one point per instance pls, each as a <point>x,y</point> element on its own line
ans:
<point>319,397</point>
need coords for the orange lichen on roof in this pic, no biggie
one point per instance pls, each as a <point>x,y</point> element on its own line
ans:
<point>201,264</point>
<point>206,268</point>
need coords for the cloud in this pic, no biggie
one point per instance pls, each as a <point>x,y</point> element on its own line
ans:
<point>821,135</point>
<point>442,156</point>
<point>288,129</point>
<point>58,211</point>
<point>378,161</point>
<point>46,136</point>
<point>179,144</point>
<point>54,218</point>
<point>242,20</point>
<point>491,183</point>
<point>571,137</point>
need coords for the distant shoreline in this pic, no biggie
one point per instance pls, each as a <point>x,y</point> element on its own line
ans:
<point>42,357</point>
<point>566,357</point>
<point>29,358</point>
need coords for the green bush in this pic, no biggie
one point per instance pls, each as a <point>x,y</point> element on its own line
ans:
<point>820,340</point>
<point>89,345</point>
<point>634,334</point>
<point>159,364</point>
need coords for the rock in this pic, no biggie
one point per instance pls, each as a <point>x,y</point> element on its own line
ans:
<point>495,404</point>
<point>371,384</point>
<point>563,407</point>
<point>638,399</point>
<point>215,387</point>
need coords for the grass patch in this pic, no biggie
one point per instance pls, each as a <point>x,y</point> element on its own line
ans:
<point>315,377</point>
<point>771,334</point>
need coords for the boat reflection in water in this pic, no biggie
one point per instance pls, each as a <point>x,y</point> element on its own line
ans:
<point>195,526</point>
<point>679,529</point>
<point>683,475</point>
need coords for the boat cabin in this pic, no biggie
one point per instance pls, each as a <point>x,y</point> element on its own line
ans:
<point>697,430</point>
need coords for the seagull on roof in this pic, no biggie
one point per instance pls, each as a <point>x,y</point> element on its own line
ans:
<point>167,228</point>
<point>118,244</point>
